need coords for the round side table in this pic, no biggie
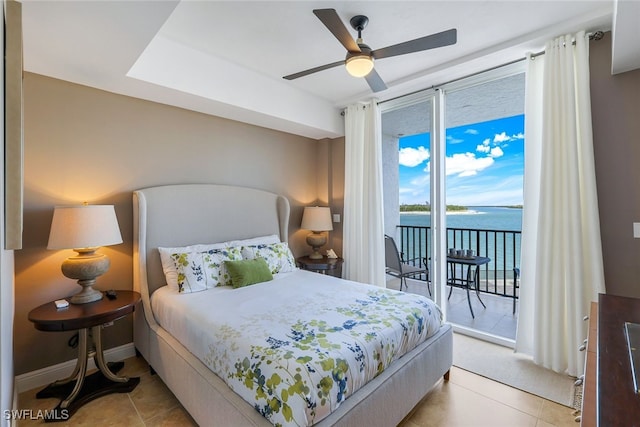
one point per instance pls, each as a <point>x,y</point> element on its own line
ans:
<point>78,388</point>
<point>331,266</point>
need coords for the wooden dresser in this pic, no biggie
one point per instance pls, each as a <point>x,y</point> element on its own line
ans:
<point>609,398</point>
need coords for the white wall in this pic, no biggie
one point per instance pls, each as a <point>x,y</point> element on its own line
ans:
<point>391,182</point>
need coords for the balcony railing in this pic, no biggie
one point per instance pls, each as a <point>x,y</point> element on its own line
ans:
<point>502,246</point>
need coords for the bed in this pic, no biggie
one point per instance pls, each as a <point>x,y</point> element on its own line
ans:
<point>182,215</point>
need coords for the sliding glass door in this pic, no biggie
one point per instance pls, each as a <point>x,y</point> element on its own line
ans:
<point>484,176</point>
<point>453,174</point>
<point>406,150</point>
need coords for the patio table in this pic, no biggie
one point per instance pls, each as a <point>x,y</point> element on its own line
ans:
<point>470,280</point>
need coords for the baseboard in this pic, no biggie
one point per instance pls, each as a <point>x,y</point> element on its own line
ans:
<point>45,376</point>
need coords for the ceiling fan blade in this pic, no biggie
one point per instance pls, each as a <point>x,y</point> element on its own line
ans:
<point>313,70</point>
<point>332,21</point>
<point>445,38</point>
<point>375,81</point>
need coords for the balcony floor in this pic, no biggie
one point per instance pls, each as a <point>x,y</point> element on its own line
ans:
<point>497,319</point>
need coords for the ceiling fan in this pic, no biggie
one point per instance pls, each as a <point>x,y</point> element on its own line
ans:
<point>360,57</point>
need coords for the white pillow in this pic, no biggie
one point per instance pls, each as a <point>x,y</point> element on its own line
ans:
<point>261,240</point>
<point>169,266</point>
<point>278,256</point>
<point>199,271</point>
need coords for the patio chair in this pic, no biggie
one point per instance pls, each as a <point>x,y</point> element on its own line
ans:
<point>397,267</point>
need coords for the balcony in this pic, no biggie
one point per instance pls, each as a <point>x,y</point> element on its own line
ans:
<point>498,285</point>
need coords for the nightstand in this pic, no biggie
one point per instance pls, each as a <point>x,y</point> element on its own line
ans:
<point>330,266</point>
<point>78,388</point>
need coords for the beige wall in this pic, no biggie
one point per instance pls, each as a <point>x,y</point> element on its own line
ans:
<point>330,169</point>
<point>83,144</point>
<point>336,190</point>
<point>615,106</point>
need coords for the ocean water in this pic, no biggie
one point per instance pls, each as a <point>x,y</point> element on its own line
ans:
<point>478,217</point>
<point>502,248</point>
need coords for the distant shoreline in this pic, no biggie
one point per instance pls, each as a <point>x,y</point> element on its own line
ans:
<point>467,212</point>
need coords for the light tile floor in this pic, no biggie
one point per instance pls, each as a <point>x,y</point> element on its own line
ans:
<point>466,399</point>
<point>150,404</point>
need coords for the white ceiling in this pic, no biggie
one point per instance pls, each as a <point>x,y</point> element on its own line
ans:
<point>227,58</point>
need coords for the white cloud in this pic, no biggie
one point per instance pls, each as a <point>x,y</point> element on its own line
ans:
<point>415,191</point>
<point>467,164</point>
<point>452,140</point>
<point>496,152</point>
<point>501,137</point>
<point>422,180</point>
<point>411,157</point>
<point>504,191</point>
<point>471,131</point>
<point>486,141</point>
<point>483,148</point>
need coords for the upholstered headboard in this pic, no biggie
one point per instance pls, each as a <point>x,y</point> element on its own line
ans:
<point>187,214</point>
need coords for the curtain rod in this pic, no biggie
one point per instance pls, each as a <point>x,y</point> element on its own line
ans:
<point>597,35</point>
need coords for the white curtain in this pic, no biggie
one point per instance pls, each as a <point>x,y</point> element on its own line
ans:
<point>363,240</point>
<point>561,248</point>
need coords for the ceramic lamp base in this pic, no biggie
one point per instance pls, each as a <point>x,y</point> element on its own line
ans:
<point>85,268</point>
<point>316,240</point>
<point>86,295</point>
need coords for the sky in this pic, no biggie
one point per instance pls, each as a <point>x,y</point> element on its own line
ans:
<point>484,164</point>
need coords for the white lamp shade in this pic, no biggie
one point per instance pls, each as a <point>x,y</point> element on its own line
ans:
<point>86,226</point>
<point>359,65</point>
<point>316,219</point>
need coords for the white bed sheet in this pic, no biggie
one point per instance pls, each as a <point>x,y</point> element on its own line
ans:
<point>200,322</point>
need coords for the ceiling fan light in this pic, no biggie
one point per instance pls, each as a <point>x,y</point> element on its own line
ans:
<point>359,65</point>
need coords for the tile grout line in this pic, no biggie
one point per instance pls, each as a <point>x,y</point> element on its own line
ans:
<point>505,404</point>
<point>538,412</point>
<point>136,409</point>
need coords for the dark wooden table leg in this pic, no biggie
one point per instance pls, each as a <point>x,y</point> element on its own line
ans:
<point>79,390</point>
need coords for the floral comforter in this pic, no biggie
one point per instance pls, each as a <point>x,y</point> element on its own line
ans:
<point>296,347</point>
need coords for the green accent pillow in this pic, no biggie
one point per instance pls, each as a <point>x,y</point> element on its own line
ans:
<point>248,272</point>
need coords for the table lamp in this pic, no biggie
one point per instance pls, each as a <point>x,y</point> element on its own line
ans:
<point>317,219</point>
<point>84,229</point>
